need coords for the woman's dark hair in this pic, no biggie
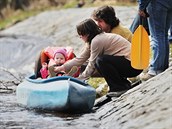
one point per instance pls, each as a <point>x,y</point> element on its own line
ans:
<point>107,13</point>
<point>88,27</point>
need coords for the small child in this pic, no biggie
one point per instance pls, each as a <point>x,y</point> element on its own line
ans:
<point>60,57</point>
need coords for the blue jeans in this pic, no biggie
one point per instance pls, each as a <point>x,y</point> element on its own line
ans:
<point>170,36</point>
<point>159,23</point>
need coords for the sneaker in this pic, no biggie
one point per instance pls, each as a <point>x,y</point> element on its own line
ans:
<point>116,94</point>
<point>136,83</point>
<point>102,89</point>
<point>146,77</point>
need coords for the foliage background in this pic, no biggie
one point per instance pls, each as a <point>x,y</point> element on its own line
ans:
<point>13,11</point>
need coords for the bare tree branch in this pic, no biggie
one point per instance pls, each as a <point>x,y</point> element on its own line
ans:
<point>9,85</point>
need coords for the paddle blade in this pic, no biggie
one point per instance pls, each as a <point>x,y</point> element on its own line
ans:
<point>140,49</point>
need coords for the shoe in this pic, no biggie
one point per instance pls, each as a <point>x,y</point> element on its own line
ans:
<point>136,83</point>
<point>134,80</point>
<point>102,89</point>
<point>73,70</point>
<point>116,94</point>
<point>146,77</point>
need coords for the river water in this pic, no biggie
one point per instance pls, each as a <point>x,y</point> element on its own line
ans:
<point>13,116</point>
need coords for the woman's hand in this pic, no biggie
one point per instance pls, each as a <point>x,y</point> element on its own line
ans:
<point>59,68</point>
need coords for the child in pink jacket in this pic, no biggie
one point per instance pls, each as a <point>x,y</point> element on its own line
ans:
<point>60,57</point>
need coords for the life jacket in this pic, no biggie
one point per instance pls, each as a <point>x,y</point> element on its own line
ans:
<point>47,56</point>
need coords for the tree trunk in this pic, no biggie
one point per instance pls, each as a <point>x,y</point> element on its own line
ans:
<point>3,4</point>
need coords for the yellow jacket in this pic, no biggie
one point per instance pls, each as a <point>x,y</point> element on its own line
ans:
<point>123,31</point>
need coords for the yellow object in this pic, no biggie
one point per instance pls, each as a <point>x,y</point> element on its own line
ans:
<point>140,49</point>
<point>123,31</point>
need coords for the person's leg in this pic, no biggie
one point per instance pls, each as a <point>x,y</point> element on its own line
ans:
<point>168,24</point>
<point>170,35</point>
<point>115,70</point>
<point>51,71</point>
<point>159,37</point>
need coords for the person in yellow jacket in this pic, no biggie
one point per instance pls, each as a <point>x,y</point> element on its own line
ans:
<point>106,19</point>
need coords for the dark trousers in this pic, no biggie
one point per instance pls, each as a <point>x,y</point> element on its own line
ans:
<point>115,70</point>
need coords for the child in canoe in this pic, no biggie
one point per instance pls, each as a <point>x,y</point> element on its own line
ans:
<point>60,57</point>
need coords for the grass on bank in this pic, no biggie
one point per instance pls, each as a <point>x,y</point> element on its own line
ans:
<point>20,15</point>
<point>17,17</point>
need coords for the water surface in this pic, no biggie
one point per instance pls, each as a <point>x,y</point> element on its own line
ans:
<point>13,116</point>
